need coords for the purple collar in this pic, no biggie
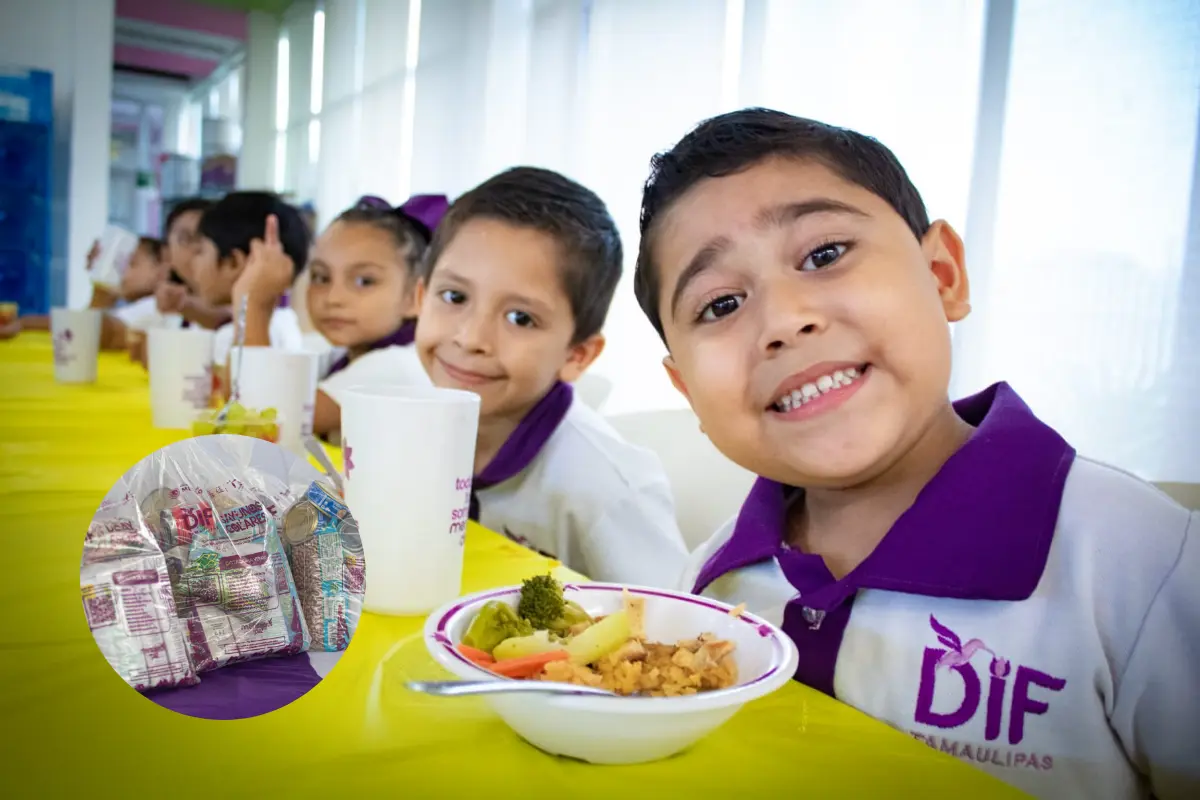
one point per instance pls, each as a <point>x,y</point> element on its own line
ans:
<point>402,337</point>
<point>980,529</point>
<point>525,442</point>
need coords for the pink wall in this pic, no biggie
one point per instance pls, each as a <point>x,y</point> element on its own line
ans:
<point>183,14</point>
<point>140,57</point>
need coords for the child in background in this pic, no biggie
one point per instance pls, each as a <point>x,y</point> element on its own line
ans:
<point>953,569</point>
<point>518,283</point>
<point>181,242</point>
<point>252,246</point>
<point>361,297</point>
<point>131,307</point>
<point>143,275</point>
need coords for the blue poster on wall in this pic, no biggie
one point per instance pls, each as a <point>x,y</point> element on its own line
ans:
<point>26,146</point>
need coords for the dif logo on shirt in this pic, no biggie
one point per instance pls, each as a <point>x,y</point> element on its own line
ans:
<point>953,662</point>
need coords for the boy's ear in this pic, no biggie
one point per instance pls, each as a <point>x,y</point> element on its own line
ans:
<point>580,357</point>
<point>947,261</point>
<point>419,290</point>
<point>676,378</point>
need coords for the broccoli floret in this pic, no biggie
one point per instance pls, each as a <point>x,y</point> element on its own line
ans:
<point>541,602</point>
<point>572,615</point>
<point>494,623</point>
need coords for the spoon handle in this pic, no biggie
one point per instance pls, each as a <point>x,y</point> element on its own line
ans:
<point>316,451</point>
<point>240,330</point>
<point>463,688</point>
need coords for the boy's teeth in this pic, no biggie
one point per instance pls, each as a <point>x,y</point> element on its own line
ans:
<point>822,385</point>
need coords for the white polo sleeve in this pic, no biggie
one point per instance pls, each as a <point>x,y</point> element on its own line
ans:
<point>1157,708</point>
<point>390,366</point>
<point>635,539</point>
<point>285,330</point>
<point>701,555</point>
<point>139,315</point>
<point>222,343</point>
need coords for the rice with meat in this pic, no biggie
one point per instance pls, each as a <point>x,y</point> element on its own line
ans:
<point>655,670</point>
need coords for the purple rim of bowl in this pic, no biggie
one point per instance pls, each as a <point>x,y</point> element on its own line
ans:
<point>440,636</point>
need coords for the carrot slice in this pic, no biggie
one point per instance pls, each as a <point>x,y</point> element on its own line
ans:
<point>526,666</point>
<point>480,657</point>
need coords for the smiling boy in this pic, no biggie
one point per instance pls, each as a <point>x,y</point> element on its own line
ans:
<point>953,569</point>
<point>519,279</point>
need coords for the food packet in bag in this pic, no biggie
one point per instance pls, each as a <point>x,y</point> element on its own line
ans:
<point>128,602</point>
<point>325,551</point>
<point>232,584</point>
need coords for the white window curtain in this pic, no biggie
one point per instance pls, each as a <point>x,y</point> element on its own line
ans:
<point>638,99</point>
<point>295,168</point>
<point>366,113</point>
<point>1088,303</point>
<point>1058,136</point>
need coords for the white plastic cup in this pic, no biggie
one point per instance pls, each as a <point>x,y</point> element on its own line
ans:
<point>181,379</point>
<point>76,338</point>
<point>314,342</point>
<point>409,454</point>
<point>285,381</point>
<point>117,247</point>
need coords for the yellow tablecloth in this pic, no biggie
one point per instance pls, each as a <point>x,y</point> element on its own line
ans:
<point>71,727</point>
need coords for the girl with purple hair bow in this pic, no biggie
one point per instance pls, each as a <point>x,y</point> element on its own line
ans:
<point>363,275</point>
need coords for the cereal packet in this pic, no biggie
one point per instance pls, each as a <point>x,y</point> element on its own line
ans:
<point>127,599</point>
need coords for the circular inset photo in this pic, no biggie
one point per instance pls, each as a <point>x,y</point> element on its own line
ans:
<point>222,577</point>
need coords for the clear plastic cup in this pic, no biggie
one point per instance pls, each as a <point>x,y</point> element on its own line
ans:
<point>264,424</point>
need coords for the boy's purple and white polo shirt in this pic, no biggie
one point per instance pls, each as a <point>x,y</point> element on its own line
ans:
<point>1034,613</point>
<point>567,485</point>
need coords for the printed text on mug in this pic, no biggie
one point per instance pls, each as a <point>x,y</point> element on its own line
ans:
<point>458,516</point>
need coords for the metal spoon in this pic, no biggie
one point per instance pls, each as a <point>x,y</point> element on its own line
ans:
<point>235,387</point>
<point>461,688</point>
<point>314,448</point>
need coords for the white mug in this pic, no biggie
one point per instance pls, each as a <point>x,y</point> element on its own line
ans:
<point>409,457</point>
<point>285,381</point>
<point>327,354</point>
<point>76,339</point>
<point>181,379</point>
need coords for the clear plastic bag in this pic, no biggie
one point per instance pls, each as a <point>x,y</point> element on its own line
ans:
<point>322,542</point>
<point>325,551</point>
<point>226,563</point>
<point>128,602</point>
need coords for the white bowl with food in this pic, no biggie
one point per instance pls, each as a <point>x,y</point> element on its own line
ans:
<point>681,665</point>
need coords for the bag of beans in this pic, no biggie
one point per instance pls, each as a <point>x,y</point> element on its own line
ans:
<point>323,547</point>
<point>325,552</point>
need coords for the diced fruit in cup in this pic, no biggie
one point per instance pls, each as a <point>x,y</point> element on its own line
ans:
<point>259,424</point>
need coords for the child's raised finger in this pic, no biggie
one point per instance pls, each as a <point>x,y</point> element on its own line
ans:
<point>271,234</point>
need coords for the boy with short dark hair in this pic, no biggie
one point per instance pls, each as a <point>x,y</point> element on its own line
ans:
<point>181,242</point>
<point>516,288</point>
<point>953,569</point>
<point>252,245</point>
